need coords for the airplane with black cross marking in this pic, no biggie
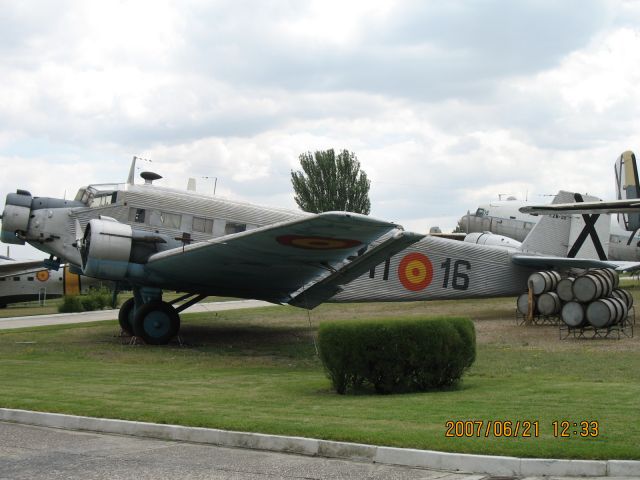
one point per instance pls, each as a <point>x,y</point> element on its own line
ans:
<point>514,219</point>
<point>152,239</point>
<point>626,206</point>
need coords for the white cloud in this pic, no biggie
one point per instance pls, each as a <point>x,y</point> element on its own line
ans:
<point>444,106</point>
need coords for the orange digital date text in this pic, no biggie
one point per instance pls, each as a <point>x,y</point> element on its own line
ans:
<point>492,428</point>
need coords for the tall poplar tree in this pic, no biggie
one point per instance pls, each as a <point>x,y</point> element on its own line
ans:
<point>328,182</point>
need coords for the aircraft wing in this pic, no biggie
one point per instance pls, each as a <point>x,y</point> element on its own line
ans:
<point>11,269</point>
<point>274,262</point>
<point>548,263</point>
<point>615,206</point>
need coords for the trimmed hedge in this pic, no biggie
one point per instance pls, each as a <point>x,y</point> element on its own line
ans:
<point>397,355</point>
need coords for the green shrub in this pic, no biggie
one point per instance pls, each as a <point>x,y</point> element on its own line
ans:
<point>70,304</point>
<point>397,355</point>
<point>96,299</point>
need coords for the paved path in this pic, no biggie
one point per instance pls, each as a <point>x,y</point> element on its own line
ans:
<point>39,453</point>
<point>100,315</point>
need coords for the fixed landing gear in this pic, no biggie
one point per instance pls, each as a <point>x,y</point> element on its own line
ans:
<point>156,323</point>
<point>147,317</point>
<point>125,316</point>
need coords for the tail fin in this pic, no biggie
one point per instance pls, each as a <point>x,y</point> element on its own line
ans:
<point>573,236</point>
<point>627,188</point>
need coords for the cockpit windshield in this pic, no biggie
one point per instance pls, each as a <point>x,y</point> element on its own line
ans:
<point>481,212</point>
<point>98,195</point>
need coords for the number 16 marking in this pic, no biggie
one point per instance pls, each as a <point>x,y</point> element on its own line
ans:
<point>460,280</point>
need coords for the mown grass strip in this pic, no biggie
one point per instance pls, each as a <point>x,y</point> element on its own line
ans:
<point>257,371</point>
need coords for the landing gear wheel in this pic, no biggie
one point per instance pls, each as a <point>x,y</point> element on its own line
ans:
<point>125,316</point>
<point>156,323</point>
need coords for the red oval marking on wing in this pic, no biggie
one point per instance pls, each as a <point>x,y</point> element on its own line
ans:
<point>317,243</point>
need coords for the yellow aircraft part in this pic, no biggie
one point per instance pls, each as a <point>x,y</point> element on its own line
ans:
<point>630,174</point>
<point>71,282</point>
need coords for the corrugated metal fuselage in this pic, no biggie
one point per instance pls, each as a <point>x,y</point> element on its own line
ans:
<point>432,268</point>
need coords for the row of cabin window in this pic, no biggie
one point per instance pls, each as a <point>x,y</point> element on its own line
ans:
<point>174,220</point>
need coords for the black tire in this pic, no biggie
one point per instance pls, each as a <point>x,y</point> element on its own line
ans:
<point>125,316</point>
<point>156,323</point>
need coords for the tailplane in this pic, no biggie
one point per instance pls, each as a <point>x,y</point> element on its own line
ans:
<point>567,235</point>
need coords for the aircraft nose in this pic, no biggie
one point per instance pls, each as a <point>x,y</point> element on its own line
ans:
<point>15,217</point>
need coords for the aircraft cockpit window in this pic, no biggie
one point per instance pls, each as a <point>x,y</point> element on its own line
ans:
<point>137,215</point>
<point>232,227</point>
<point>481,212</point>
<point>84,196</point>
<point>203,225</point>
<point>103,200</point>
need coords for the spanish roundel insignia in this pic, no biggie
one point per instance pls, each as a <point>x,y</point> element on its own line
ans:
<point>415,272</point>
<point>43,275</point>
<point>317,243</point>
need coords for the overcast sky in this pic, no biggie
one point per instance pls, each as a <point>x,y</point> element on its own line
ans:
<point>446,104</point>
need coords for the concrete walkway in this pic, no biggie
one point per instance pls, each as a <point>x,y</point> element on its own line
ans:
<point>101,315</point>
<point>41,453</point>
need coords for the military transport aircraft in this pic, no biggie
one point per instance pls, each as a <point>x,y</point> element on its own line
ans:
<point>24,281</point>
<point>627,205</point>
<point>153,239</point>
<point>504,218</point>
<point>515,219</point>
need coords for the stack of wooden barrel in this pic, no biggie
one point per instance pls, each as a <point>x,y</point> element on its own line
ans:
<point>590,299</point>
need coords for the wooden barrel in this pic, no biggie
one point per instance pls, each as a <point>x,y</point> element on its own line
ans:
<point>565,290</point>
<point>542,282</point>
<point>573,314</point>
<point>605,312</point>
<point>587,288</point>
<point>548,303</point>
<point>623,295</point>
<point>523,304</point>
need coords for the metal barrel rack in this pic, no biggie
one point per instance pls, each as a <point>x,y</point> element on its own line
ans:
<point>590,305</point>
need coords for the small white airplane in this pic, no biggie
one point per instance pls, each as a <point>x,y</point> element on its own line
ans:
<point>154,239</point>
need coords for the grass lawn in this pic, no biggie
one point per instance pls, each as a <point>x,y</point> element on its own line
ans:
<point>256,370</point>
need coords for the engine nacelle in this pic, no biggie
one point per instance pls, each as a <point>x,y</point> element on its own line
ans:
<point>487,238</point>
<point>106,249</point>
<point>15,218</point>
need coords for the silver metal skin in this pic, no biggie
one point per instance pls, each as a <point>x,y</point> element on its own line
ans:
<point>155,238</point>
<point>26,282</point>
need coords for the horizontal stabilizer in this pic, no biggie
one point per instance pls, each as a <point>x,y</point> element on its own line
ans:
<point>329,286</point>
<point>549,263</point>
<point>616,206</point>
<point>12,269</point>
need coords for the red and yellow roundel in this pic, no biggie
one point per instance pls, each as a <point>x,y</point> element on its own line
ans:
<point>43,275</point>
<point>415,272</point>
<point>317,243</point>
